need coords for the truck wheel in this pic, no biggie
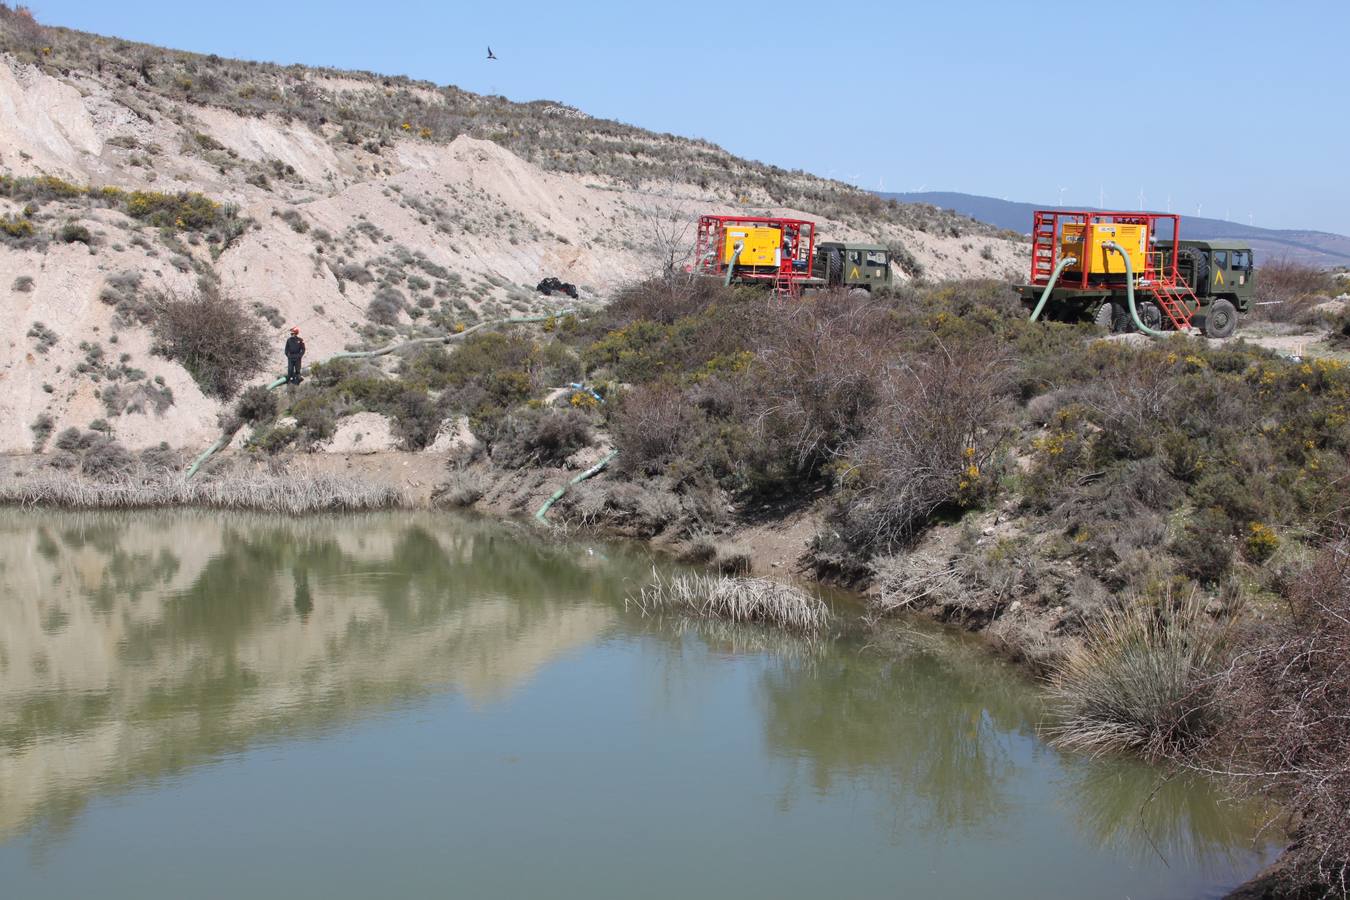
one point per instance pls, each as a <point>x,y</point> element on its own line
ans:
<point>1220,319</point>
<point>1150,315</point>
<point>836,273</point>
<point>1199,269</point>
<point>1106,316</point>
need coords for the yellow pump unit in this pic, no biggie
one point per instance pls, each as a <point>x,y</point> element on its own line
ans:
<point>760,245</point>
<point>1085,244</point>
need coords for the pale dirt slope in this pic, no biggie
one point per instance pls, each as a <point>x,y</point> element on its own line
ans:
<point>489,222</point>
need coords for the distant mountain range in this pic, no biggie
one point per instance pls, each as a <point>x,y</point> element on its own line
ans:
<point>1318,248</point>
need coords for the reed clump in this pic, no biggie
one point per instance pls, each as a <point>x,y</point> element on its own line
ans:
<point>259,492</point>
<point>761,601</point>
<point>1143,680</point>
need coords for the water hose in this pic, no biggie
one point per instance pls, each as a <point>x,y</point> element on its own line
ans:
<point>582,389</point>
<point>1050,285</point>
<point>731,264</point>
<point>1129,289</point>
<point>223,441</point>
<point>594,470</point>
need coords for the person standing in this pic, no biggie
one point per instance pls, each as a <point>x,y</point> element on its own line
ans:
<point>295,351</point>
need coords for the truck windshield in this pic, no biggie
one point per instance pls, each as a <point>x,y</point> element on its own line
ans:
<point>876,257</point>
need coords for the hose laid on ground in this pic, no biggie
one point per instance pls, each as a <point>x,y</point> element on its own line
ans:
<point>594,470</point>
<point>224,440</point>
<point>1129,289</point>
<point>1050,285</point>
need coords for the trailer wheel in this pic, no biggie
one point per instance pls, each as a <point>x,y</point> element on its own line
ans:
<point>1106,316</point>
<point>1220,319</point>
<point>1150,315</point>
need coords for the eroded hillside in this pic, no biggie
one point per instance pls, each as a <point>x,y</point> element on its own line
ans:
<point>353,206</point>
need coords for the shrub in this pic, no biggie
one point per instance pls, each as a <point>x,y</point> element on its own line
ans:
<point>385,307</point>
<point>256,404</point>
<point>417,419</point>
<point>212,336</point>
<point>46,338</point>
<point>1261,543</point>
<point>160,459</point>
<point>464,488</point>
<point>1141,681</point>
<point>926,444</point>
<point>25,29</point>
<point>186,210</point>
<point>293,218</point>
<point>540,437</point>
<point>23,284</point>
<point>1287,731</point>
<point>15,229</point>
<point>73,233</point>
<point>653,426</point>
<point>106,459</point>
<point>42,429</point>
<point>353,272</point>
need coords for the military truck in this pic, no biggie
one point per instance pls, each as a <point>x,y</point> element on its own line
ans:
<point>1223,276</point>
<point>1084,265</point>
<point>782,254</point>
<point>865,266</point>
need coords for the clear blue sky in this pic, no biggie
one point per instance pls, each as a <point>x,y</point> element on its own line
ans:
<point>1238,109</point>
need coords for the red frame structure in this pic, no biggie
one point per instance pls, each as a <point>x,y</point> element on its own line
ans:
<point>787,276</point>
<point>1049,226</point>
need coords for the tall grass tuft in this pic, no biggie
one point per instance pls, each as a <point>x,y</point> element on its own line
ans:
<point>750,600</point>
<point>1142,681</point>
<point>292,494</point>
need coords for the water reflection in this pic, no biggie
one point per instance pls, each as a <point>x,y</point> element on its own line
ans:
<point>134,647</point>
<point>1175,817</point>
<point>933,729</point>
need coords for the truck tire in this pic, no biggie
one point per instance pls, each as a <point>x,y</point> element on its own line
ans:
<point>1149,314</point>
<point>836,266</point>
<point>1106,316</point>
<point>1220,319</point>
<point>1199,270</point>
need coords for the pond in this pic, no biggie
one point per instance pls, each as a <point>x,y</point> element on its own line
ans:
<point>407,705</point>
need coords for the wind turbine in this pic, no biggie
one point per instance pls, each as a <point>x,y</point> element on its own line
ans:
<point>1061,197</point>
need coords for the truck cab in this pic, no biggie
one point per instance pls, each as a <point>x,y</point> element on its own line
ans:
<point>1219,270</point>
<point>850,265</point>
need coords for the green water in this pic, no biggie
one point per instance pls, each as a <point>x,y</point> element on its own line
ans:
<point>198,705</point>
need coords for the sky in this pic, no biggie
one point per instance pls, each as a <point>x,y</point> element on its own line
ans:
<point>1235,110</point>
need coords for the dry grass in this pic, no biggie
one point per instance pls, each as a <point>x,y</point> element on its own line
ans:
<point>289,494</point>
<point>1142,681</point>
<point>749,600</point>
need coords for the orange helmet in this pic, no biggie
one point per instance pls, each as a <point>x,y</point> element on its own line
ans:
<point>295,331</point>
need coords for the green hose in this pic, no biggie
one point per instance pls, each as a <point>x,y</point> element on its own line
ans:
<point>594,470</point>
<point>1050,285</point>
<point>1129,290</point>
<point>731,264</point>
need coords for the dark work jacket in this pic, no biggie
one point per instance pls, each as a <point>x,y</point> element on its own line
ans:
<point>295,348</point>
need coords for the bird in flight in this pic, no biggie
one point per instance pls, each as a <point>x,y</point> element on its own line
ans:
<point>491,55</point>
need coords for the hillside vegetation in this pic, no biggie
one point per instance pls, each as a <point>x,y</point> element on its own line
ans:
<point>359,207</point>
<point>1158,526</point>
